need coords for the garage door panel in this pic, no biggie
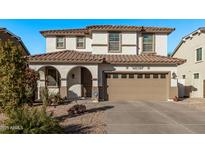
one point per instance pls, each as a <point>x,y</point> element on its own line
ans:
<point>137,89</point>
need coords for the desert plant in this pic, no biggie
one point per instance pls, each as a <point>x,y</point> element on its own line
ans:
<point>77,109</point>
<point>50,98</point>
<point>31,121</point>
<point>45,98</point>
<point>56,99</point>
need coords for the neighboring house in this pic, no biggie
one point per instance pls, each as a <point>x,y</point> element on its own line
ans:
<point>108,62</point>
<point>191,74</point>
<point>6,35</point>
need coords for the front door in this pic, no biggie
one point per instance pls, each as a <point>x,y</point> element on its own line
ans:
<point>86,80</point>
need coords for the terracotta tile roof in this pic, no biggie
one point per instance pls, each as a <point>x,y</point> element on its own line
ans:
<point>131,28</point>
<point>81,31</point>
<point>89,29</point>
<point>68,56</point>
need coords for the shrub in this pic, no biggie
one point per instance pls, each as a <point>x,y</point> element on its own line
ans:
<point>31,121</point>
<point>12,74</point>
<point>16,85</point>
<point>45,97</point>
<point>50,99</point>
<point>56,99</point>
<point>77,109</point>
<point>30,84</point>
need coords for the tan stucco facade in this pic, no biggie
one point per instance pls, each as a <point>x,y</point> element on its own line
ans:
<point>97,43</point>
<point>72,88</point>
<point>187,50</point>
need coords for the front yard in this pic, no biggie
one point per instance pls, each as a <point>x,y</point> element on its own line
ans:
<point>92,121</point>
<point>131,117</point>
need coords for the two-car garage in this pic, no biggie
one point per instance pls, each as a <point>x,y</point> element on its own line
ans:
<point>137,86</point>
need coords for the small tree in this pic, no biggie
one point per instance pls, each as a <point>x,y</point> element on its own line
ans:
<point>30,84</point>
<point>12,75</point>
<point>16,83</point>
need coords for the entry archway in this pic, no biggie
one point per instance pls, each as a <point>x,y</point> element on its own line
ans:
<point>50,78</point>
<point>79,82</point>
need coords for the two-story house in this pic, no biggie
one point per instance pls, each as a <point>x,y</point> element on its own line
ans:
<point>192,73</point>
<point>108,62</point>
<point>6,35</point>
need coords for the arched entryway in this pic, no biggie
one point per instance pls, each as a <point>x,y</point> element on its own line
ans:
<point>50,78</point>
<point>79,82</point>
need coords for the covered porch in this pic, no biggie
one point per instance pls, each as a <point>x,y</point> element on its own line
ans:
<point>70,81</point>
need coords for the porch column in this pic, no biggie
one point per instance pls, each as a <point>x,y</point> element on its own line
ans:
<point>41,82</point>
<point>63,88</point>
<point>95,90</point>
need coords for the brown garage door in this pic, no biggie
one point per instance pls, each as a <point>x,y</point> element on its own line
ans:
<point>137,86</point>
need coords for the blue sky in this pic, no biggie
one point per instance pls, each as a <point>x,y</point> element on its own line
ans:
<point>28,30</point>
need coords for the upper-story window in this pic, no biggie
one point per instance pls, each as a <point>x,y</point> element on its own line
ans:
<point>148,43</point>
<point>60,43</point>
<point>114,42</point>
<point>80,42</point>
<point>199,54</point>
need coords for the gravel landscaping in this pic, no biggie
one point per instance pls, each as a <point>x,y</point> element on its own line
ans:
<point>91,122</point>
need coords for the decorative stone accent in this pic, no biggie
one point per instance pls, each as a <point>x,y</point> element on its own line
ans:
<point>95,93</point>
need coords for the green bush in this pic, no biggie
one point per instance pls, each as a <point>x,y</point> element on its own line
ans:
<point>30,83</point>
<point>50,98</point>
<point>12,73</point>
<point>31,121</point>
<point>17,86</point>
<point>45,97</point>
<point>56,99</point>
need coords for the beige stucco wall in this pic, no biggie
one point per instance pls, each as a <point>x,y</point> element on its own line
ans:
<point>70,44</point>
<point>137,68</point>
<point>128,42</point>
<point>99,38</point>
<point>188,51</point>
<point>160,44</point>
<point>98,43</point>
<point>172,87</point>
<point>65,72</point>
<point>74,85</point>
<point>129,38</point>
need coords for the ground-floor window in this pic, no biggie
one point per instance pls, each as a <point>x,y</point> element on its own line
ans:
<point>52,77</point>
<point>196,75</point>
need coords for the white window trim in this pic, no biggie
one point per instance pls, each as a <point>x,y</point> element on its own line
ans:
<point>153,41</point>
<point>120,43</point>
<point>196,73</point>
<point>202,58</point>
<point>84,42</point>
<point>64,43</point>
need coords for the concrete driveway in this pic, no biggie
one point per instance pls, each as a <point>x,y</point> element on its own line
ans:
<point>153,118</point>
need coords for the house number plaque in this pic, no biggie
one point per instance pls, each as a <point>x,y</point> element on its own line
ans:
<point>138,68</point>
